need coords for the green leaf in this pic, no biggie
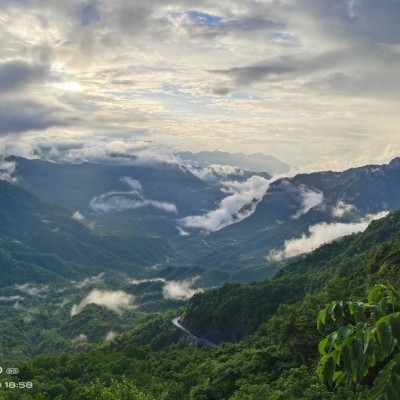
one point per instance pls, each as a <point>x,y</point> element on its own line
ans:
<point>321,319</point>
<point>395,325</point>
<point>330,370</point>
<point>357,309</point>
<point>385,337</point>
<point>343,333</point>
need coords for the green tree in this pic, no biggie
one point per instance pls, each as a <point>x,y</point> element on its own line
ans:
<point>366,345</point>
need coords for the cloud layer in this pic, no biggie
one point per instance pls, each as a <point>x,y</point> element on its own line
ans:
<point>321,234</point>
<point>315,83</point>
<point>241,202</point>
<point>128,200</point>
<point>116,301</point>
<point>309,200</point>
<point>174,289</point>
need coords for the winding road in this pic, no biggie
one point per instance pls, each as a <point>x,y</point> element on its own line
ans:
<point>197,339</point>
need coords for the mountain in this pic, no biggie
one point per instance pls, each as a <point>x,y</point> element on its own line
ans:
<point>142,207</point>
<point>41,242</point>
<point>273,325</point>
<point>328,204</point>
<point>75,185</point>
<point>257,162</point>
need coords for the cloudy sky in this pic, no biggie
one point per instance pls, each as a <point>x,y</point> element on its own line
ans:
<point>313,82</point>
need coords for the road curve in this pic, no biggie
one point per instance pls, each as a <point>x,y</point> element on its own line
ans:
<point>191,335</point>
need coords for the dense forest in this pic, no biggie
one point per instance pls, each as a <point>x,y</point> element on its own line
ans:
<point>267,334</point>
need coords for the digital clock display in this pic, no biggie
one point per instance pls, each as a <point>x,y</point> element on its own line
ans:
<point>16,385</point>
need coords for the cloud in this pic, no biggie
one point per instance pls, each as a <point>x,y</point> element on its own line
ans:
<point>128,200</point>
<point>215,172</point>
<point>32,289</point>
<point>241,203</point>
<point>77,216</point>
<point>111,335</point>
<point>342,208</point>
<point>320,234</point>
<point>27,319</point>
<point>94,280</point>
<point>7,170</point>
<point>139,281</point>
<point>18,73</point>
<point>309,200</point>
<point>180,290</point>
<point>11,298</point>
<point>80,338</point>
<point>173,289</point>
<point>21,115</point>
<point>292,78</point>
<point>116,301</point>
<point>182,232</point>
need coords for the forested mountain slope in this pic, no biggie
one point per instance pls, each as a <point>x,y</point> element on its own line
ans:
<point>41,242</point>
<point>276,360</point>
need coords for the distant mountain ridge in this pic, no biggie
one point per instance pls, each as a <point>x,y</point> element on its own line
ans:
<point>257,162</point>
<point>134,211</point>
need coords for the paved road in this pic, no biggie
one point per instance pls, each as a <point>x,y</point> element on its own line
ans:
<point>193,336</point>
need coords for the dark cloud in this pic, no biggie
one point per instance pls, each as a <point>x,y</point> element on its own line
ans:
<point>27,115</point>
<point>16,74</point>
<point>222,91</point>
<point>89,13</point>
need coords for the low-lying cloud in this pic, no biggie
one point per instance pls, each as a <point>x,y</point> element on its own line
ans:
<point>240,204</point>
<point>116,301</point>
<point>11,298</point>
<point>77,216</point>
<point>110,336</point>
<point>7,171</point>
<point>214,172</point>
<point>320,234</point>
<point>94,280</point>
<point>309,200</point>
<point>180,290</point>
<point>128,200</point>
<point>33,290</point>
<point>174,289</point>
<point>342,208</point>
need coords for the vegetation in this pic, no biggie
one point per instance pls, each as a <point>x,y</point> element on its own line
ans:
<point>366,346</point>
<point>276,347</point>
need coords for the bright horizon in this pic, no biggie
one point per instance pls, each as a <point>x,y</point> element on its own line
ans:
<point>315,84</point>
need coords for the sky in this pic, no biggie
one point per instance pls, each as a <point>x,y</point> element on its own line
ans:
<point>315,83</point>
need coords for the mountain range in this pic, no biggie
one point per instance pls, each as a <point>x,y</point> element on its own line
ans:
<point>94,217</point>
<point>257,162</point>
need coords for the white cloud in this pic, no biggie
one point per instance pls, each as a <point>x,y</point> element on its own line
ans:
<point>293,78</point>
<point>342,208</point>
<point>128,200</point>
<point>182,232</point>
<point>80,338</point>
<point>7,170</point>
<point>27,319</point>
<point>116,301</point>
<point>241,203</point>
<point>94,280</point>
<point>180,290</point>
<point>139,281</point>
<point>309,200</point>
<point>110,336</point>
<point>33,290</point>
<point>321,234</point>
<point>11,298</point>
<point>174,289</point>
<point>215,172</point>
<point>77,216</point>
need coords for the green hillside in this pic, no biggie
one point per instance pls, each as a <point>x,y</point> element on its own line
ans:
<point>273,325</point>
<point>40,242</point>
